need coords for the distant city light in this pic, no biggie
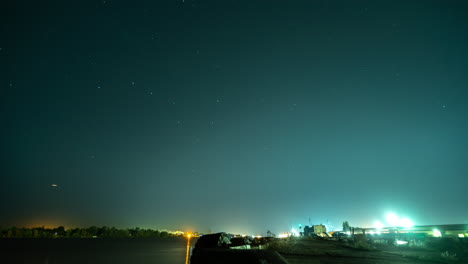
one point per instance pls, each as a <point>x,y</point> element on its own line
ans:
<point>378,225</point>
<point>294,232</point>
<point>54,185</point>
<point>400,242</point>
<point>405,222</point>
<point>284,235</point>
<point>437,233</point>
<point>392,219</point>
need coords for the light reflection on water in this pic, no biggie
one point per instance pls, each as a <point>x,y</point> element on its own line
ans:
<point>187,252</point>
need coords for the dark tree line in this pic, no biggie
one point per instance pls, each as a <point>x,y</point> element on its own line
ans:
<point>89,232</point>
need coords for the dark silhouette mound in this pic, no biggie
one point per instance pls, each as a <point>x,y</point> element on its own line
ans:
<point>214,248</point>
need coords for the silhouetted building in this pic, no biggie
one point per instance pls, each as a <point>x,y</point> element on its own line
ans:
<point>315,230</point>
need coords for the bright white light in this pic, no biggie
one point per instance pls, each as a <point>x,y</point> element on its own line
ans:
<point>294,232</point>
<point>392,219</point>
<point>400,242</point>
<point>437,233</point>
<point>461,235</point>
<point>405,222</point>
<point>378,225</point>
<point>283,235</point>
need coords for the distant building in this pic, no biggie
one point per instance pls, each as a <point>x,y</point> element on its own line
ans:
<point>315,230</point>
<point>319,229</point>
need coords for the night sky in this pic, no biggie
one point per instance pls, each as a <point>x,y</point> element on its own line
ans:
<point>237,116</point>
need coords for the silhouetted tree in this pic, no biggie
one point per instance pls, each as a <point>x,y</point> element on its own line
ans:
<point>346,226</point>
<point>59,231</point>
<point>93,231</point>
<point>269,233</point>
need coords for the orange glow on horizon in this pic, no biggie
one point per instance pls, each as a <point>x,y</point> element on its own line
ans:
<point>49,224</point>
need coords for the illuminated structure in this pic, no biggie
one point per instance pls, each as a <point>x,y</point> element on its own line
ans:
<point>455,230</point>
<point>315,230</point>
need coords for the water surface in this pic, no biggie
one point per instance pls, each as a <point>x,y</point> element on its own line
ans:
<point>116,251</point>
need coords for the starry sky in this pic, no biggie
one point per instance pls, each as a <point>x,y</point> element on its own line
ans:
<point>231,115</point>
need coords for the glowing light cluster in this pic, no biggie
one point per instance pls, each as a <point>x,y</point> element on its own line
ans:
<point>393,220</point>
<point>294,232</point>
<point>405,222</point>
<point>378,225</point>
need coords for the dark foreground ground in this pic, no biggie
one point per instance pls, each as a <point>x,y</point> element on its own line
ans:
<point>173,251</point>
<point>311,251</point>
